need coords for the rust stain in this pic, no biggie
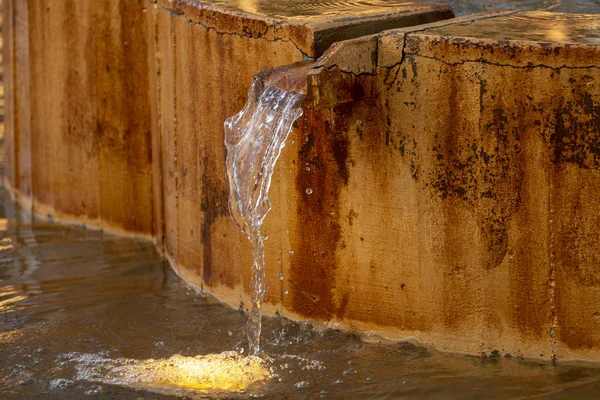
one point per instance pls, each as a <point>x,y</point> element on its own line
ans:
<point>213,205</point>
<point>313,267</point>
<point>125,138</point>
<point>576,134</point>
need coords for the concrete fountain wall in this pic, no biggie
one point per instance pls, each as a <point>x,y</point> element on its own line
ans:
<point>453,168</point>
<point>78,147</point>
<point>456,176</point>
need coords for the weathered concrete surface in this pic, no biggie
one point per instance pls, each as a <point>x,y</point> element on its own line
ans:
<point>455,188</point>
<point>92,85</point>
<point>205,58</point>
<point>79,146</point>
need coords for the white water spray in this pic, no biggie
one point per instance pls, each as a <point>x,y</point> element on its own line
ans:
<point>254,138</point>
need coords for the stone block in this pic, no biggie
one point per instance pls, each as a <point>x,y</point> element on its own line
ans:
<point>456,177</point>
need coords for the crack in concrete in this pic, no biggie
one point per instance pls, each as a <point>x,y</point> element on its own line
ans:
<point>486,62</point>
<point>344,71</point>
<point>214,29</point>
<point>438,25</point>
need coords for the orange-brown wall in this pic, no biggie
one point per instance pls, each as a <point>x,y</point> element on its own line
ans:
<point>80,147</point>
<point>457,187</point>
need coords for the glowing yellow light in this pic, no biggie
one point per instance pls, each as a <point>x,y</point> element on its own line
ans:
<point>10,336</point>
<point>225,372</point>
<point>7,305</point>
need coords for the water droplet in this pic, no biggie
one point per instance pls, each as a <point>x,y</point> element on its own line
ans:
<point>265,237</point>
<point>309,191</point>
<point>405,382</point>
<point>308,168</point>
<point>241,350</point>
<point>279,261</point>
<point>323,393</point>
<point>338,381</point>
<point>292,252</point>
<point>292,142</point>
<point>285,292</point>
<point>370,379</point>
<point>159,345</point>
<point>350,371</point>
<point>302,385</point>
<point>94,390</point>
<point>306,139</point>
<point>230,333</point>
<point>280,276</point>
<point>60,384</point>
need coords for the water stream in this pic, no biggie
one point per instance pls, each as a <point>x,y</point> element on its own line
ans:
<point>254,138</point>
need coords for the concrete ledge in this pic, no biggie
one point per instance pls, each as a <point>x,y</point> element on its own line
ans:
<point>468,185</point>
<point>90,84</point>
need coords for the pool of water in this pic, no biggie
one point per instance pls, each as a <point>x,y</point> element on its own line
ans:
<point>85,314</point>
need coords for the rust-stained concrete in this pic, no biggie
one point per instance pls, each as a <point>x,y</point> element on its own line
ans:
<point>78,120</point>
<point>455,187</point>
<point>93,101</point>
<point>205,57</point>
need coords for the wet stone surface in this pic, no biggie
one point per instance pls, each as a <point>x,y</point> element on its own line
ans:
<point>465,7</point>
<point>538,26</point>
<point>322,9</point>
<point>318,8</point>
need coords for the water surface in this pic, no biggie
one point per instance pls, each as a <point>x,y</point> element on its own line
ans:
<point>87,315</point>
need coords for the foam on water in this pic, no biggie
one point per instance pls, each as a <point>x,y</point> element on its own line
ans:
<point>213,373</point>
<point>254,138</point>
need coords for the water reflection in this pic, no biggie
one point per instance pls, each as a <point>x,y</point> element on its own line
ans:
<point>313,8</point>
<point>465,7</point>
<point>536,26</point>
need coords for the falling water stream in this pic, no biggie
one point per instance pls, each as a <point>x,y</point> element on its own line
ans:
<point>254,138</point>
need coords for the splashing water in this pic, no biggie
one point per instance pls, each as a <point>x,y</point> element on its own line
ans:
<point>254,138</point>
<point>212,373</point>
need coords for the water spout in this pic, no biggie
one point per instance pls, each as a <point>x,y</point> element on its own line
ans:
<point>254,138</point>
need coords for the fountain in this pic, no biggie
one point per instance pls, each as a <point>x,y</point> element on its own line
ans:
<point>255,138</point>
<point>438,188</point>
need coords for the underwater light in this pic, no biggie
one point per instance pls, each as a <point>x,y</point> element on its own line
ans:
<point>226,372</point>
<point>229,372</point>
